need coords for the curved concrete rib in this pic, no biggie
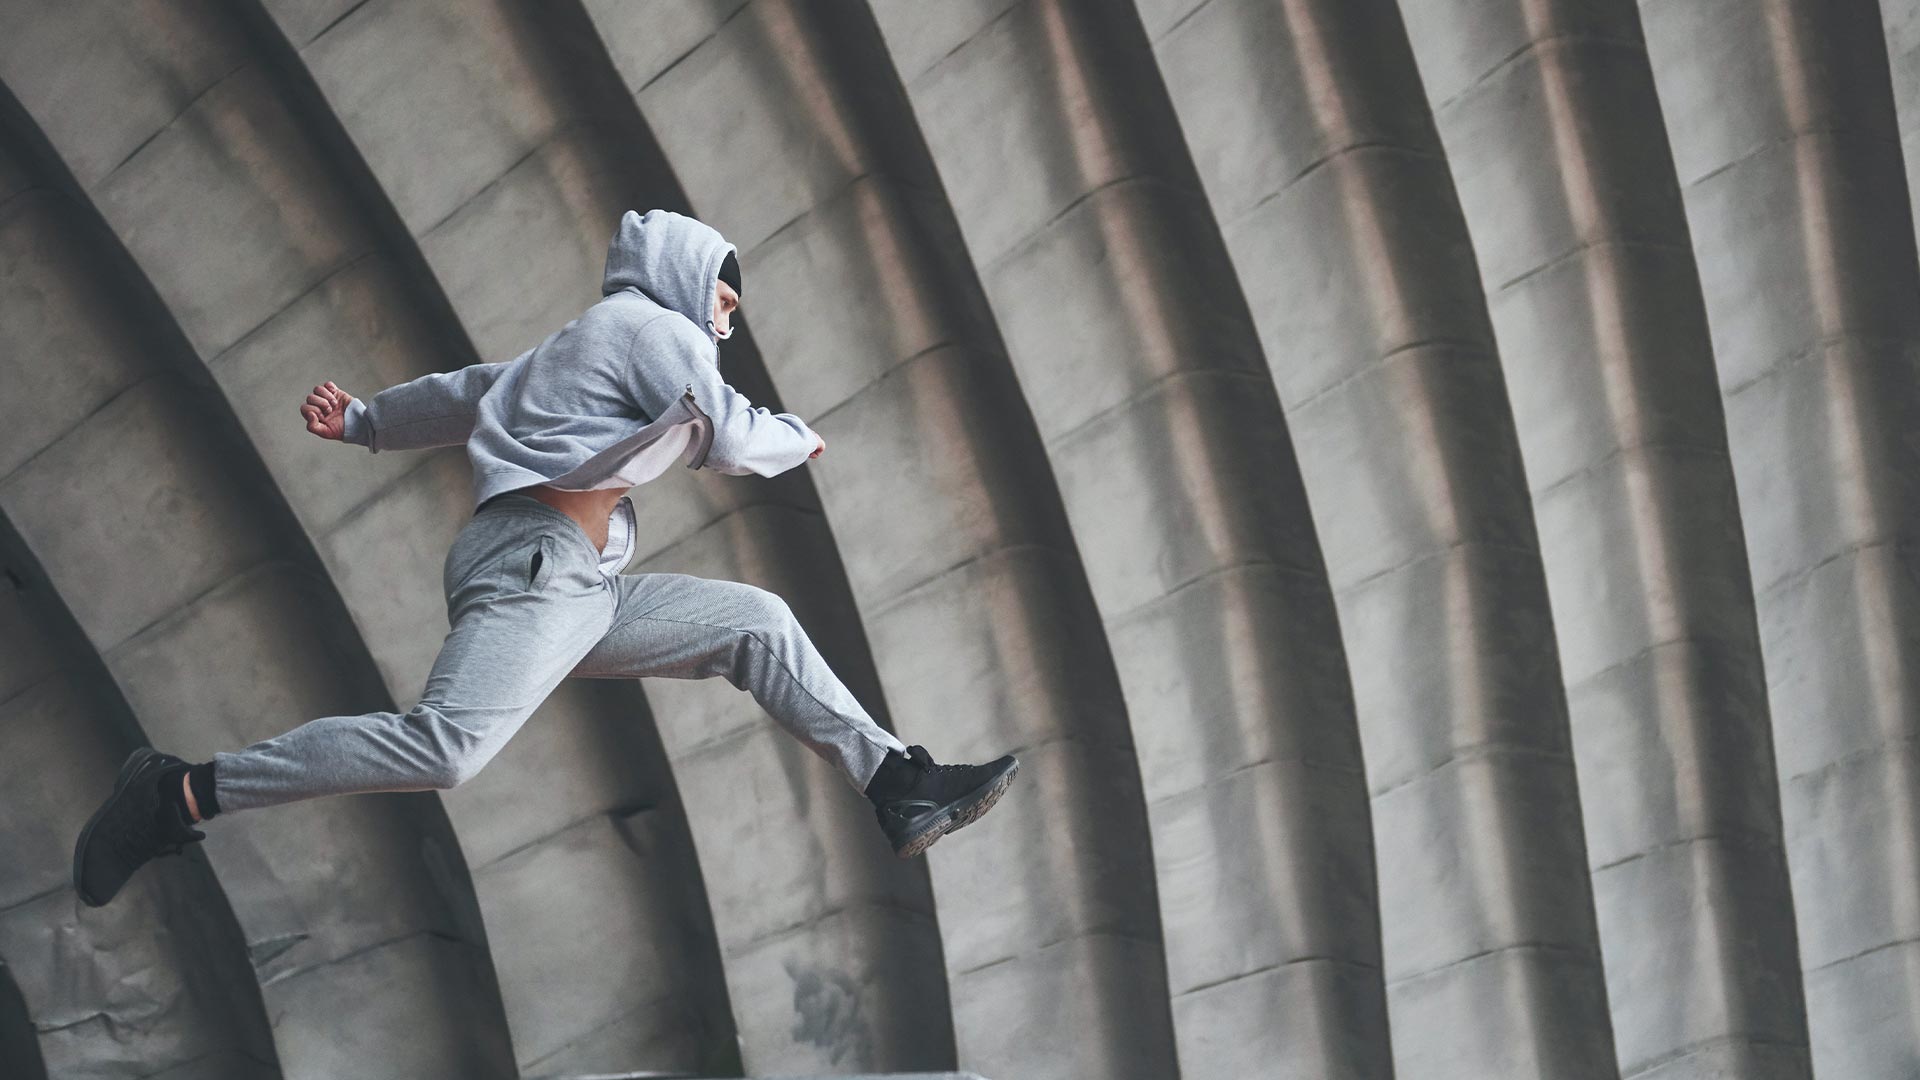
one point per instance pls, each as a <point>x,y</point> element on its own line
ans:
<point>1311,134</point>
<point>19,1042</point>
<point>1781,117</point>
<point>356,305</point>
<point>158,983</point>
<point>131,485</point>
<point>955,544</point>
<point>1171,459</point>
<point>828,944</point>
<point>1555,140</point>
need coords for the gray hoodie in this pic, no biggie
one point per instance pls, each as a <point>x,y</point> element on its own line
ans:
<point>608,400</point>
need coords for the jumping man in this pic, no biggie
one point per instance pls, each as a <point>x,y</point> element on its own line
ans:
<point>534,592</point>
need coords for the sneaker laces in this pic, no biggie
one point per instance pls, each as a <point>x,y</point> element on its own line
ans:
<point>923,759</point>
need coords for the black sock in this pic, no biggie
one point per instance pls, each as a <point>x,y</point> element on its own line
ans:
<point>200,778</point>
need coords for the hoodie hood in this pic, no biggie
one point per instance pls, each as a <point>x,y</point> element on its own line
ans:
<point>672,258</point>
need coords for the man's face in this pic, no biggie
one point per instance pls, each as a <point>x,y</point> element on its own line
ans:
<point>725,303</point>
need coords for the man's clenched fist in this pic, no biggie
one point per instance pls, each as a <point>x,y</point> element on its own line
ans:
<point>326,411</point>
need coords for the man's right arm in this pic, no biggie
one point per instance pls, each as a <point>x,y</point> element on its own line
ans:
<point>432,410</point>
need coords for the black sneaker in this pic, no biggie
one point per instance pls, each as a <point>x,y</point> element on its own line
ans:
<point>135,824</point>
<point>935,800</point>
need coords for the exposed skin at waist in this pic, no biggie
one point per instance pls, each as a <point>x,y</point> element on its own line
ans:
<point>589,509</point>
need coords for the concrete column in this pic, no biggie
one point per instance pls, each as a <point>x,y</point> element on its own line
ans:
<point>1781,117</point>
<point>158,983</point>
<point>1147,392</point>
<point>1312,137</point>
<point>344,297</point>
<point>157,526</point>
<point>509,164</point>
<point>1554,136</point>
<point>955,544</point>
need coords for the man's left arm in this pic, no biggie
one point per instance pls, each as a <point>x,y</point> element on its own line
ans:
<point>747,438</point>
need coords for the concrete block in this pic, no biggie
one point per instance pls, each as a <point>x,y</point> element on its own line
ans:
<point>527,254</point>
<point>51,312</point>
<point>1402,461</point>
<point>993,656</point>
<point>1050,862</point>
<point>1666,569</point>
<point>1145,487</point>
<point>436,134</point>
<point>792,131</point>
<point>561,985</point>
<point>1484,855</point>
<point>1309,1019</point>
<point>861,987</point>
<point>862,240</point>
<point>1022,1005</point>
<point>1555,1024</point>
<point>223,211</point>
<point>181,492</point>
<point>1674,745</point>
<point>645,41</point>
<point>1605,347</point>
<point>1451,653</point>
<point>911,472</point>
<point>1241,667</point>
<point>347,330</point>
<point>100,78</point>
<point>1267,866</point>
<point>1693,936</point>
<point>1098,341</point>
<point>1830,639</point>
<point>1315,264</point>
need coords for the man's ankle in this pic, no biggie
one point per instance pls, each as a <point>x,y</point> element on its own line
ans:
<point>894,777</point>
<point>189,788</point>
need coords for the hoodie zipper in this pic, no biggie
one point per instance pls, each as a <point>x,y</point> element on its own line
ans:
<point>706,431</point>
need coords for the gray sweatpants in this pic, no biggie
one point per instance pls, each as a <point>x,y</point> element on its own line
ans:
<point>530,604</point>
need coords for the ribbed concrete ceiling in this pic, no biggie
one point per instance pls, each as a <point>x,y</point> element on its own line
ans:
<point>1428,489</point>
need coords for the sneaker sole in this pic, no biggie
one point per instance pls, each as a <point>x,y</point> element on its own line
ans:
<point>131,768</point>
<point>961,813</point>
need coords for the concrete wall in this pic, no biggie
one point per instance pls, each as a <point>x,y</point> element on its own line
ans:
<point>1424,486</point>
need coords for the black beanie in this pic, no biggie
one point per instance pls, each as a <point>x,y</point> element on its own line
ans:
<point>730,272</point>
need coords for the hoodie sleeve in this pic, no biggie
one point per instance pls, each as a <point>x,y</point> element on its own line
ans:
<point>671,357</point>
<point>432,410</point>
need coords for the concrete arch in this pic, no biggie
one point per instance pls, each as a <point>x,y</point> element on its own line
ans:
<point>868,226</point>
<point>1554,136</point>
<point>954,540</point>
<point>355,291</point>
<point>1781,115</point>
<point>160,983</point>
<point>1312,137</point>
<point>131,485</point>
<point>813,918</point>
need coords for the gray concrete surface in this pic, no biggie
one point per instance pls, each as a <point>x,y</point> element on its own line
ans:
<point>1782,122</point>
<point>1313,140</point>
<point>1583,251</point>
<point>1456,612</point>
<point>357,912</point>
<point>799,900</point>
<point>158,983</point>
<point>1123,325</point>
